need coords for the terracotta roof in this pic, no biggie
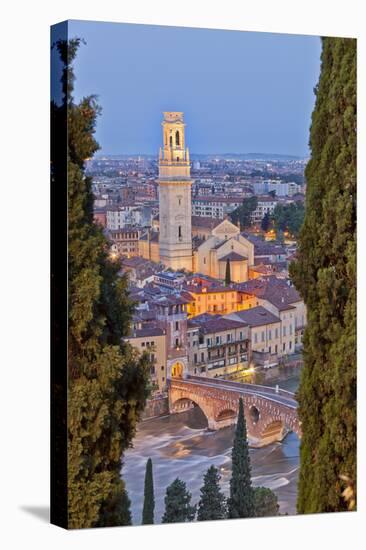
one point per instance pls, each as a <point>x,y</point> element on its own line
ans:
<point>206,222</point>
<point>277,291</point>
<point>146,331</point>
<point>255,316</point>
<point>233,257</point>
<point>220,324</point>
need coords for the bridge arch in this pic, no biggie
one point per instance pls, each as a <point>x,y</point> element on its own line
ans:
<point>182,404</point>
<point>226,414</point>
<point>254,414</point>
<point>275,429</point>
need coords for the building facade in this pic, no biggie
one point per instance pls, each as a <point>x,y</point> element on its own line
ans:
<point>175,238</point>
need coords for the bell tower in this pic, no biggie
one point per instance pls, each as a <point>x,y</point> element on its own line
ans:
<point>175,208</point>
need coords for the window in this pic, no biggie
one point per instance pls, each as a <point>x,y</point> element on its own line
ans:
<point>290,329</point>
<point>176,343</point>
<point>276,333</point>
<point>270,349</point>
<point>262,335</point>
<point>269,335</point>
<point>195,358</point>
<point>180,231</point>
<point>177,141</point>
<point>142,344</point>
<point>241,335</point>
<point>255,338</point>
<point>290,345</point>
<point>171,141</point>
<point>176,325</point>
<point>162,367</point>
<point>202,357</point>
<point>276,348</point>
<point>284,346</point>
<point>217,339</point>
<point>284,331</point>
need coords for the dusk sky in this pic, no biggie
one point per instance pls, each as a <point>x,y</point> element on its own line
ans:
<point>241,92</point>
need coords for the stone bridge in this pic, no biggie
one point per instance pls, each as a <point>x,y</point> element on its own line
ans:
<point>270,414</point>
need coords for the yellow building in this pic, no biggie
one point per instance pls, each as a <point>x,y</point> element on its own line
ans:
<point>218,300</point>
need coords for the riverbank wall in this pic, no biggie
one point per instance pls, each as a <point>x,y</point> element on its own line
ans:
<point>156,406</point>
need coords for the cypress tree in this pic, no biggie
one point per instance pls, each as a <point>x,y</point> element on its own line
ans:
<point>265,502</point>
<point>149,501</point>
<point>266,222</point>
<point>107,380</point>
<point>325,275</point>
<point>178,503</point>
<point>227,273</point>
<point>241,501</point>
<point>212,504</point>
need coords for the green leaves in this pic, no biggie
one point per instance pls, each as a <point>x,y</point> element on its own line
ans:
<point>289,217</point>
<point>241,501</point>
<point>325,275</point>
<point>149,500</point>
<point>265,502</point>
<point>243,212</point>
<point>108,380</point>
<point>212,504</point>
<point>178,503</point>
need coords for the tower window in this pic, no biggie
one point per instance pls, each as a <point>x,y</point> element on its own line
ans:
<point>177,159</point>
<point>177,138</point>
<point>171,141</point>
<point>180,231</point>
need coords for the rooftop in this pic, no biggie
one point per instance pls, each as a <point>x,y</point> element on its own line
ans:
<point>277,291</point>
<point>146,331</point>
<point>233,257</point>
<point>205,222</point>
<point>256,316</point>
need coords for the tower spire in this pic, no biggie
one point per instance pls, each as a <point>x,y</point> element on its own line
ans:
<point>175,239</point>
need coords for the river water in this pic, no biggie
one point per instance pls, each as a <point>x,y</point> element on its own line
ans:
<point>181,446</point>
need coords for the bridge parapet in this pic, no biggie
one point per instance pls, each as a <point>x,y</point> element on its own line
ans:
<point>235,384</point>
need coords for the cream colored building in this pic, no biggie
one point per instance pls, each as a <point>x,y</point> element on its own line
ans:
<point>153,341</point>
<point>172,245</point>
<point>266,341</point>
<point>175,209</point>
<point>217,347</point>
<point>225,244</point>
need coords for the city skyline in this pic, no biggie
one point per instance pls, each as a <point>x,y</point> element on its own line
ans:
<point>234,103</point>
